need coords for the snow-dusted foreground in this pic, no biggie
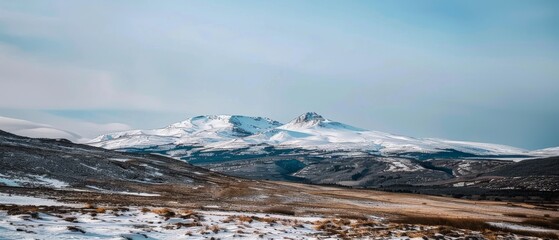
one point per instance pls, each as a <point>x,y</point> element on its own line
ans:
<point>25,217</point>
<point>162,223</point>
<point>135,224</point>
<point>23,220</point>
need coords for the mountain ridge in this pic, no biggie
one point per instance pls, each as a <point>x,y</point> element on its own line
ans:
<point>309,131</point>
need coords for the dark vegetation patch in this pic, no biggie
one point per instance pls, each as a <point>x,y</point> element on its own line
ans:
<point>360,174</point>
<point>445,154</point>
<point>476,193</point>
<point>471,224</point>
<point>219,156</point>
<point>463,223</point>
<point>518,215</point>
<point>551,223</point>
<point>280,210</point>
<point>75,229</point>
<point>290,166</point>
<point>429,165</point>
<point>538,167</point>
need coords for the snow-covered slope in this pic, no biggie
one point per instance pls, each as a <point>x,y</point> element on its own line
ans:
<point>312,131</point>
<point>199,131</point>
<point>32,129</point>
<point>309,131</point>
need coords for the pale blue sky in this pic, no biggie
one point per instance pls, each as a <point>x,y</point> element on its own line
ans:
<point>466,70</point>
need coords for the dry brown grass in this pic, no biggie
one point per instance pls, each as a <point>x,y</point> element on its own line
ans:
<point>228,219</point>
<point>189,214</point>
<point>250,219</point>
<point>415,234</point>
<point>247,219</point>
<point>365,223</point>
<point>187,225</point>
<point>186,212</point>
<point>335,227</point>
<point>163,212</point>
<point>15,209</point>
<point>470,224</point>
<point>215,228</point>
<point>89,206</point>
<point>240,190</point>
<point>352,216</point>
<point>268,220</point>
<point>331,224</point>
<point>463,223</point>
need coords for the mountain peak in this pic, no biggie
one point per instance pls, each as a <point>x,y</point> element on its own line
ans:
<point>314,120</point>
<point>309,117</point>
<point>223,125</point>
<point>307,120</point>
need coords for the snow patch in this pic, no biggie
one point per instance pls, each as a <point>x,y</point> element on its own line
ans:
<point>123,192</point>
<point>120,159</point>
<point>9,182</point>
<point>513,226</point>
<point>51,182</point>
<point>27,200</point>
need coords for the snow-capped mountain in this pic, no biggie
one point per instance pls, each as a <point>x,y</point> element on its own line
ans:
<point>198,131</point>
<point>312,120</point>
<point>310,131</point>
<point>315,149</point>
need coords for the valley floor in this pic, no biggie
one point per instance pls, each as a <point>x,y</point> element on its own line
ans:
<point>305,212</point>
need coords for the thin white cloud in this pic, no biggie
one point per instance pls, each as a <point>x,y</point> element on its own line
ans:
<point>32,129</point>
<point>30,83</point>
<point>58,127</point>
<point>376,70</point>
<point>23,24</point>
